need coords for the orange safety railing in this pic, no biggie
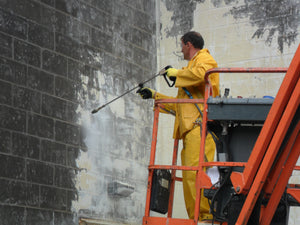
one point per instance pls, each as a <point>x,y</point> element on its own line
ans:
<point>258,172</point>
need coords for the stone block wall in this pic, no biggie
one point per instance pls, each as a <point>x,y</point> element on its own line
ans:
<point>238,33</point>
<point>59,59</point>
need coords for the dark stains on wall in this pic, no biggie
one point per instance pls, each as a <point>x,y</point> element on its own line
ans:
<point>183,13</point>
<point>46,47</point>
<point>182,17</point>
<point>278,19</point>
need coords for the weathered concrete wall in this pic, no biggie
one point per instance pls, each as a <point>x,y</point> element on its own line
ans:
<point>238,33</point>
<point>60,59</point>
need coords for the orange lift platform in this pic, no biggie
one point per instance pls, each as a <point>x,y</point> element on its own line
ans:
<point>259,145</point>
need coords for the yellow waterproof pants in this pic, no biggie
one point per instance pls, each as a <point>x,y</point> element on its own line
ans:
<point>190,157</point>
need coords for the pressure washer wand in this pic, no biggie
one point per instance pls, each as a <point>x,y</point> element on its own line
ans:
<point>101,107</point>
<point>140,85</point>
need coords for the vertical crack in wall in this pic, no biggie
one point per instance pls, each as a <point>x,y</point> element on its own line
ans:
<point>277,19</point>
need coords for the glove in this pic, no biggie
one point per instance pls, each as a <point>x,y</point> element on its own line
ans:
<point>172,73</point>
<point>146,93</point>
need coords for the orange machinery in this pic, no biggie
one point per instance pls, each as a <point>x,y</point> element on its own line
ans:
<point>263,181</point>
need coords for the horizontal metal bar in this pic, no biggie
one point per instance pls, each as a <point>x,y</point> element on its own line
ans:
<point>195,168</point>
<point>228,164</point>
<point>166,167</point>
<point>198,101</point>
<point>169,221</point>
<point>291,186</point>
<point>178,179</point>
<point>246,70</point>
<point>295,193</point>
<point>173,221</point>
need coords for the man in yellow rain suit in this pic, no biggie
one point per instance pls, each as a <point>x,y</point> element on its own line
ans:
<point>191,79</point>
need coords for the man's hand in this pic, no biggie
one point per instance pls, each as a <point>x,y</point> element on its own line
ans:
<point>146,93</point>
<point>172,73</point>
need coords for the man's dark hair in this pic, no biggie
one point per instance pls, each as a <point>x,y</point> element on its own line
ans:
<point>195,38</point>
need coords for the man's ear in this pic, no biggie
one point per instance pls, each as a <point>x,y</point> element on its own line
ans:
<point>188,44</point>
